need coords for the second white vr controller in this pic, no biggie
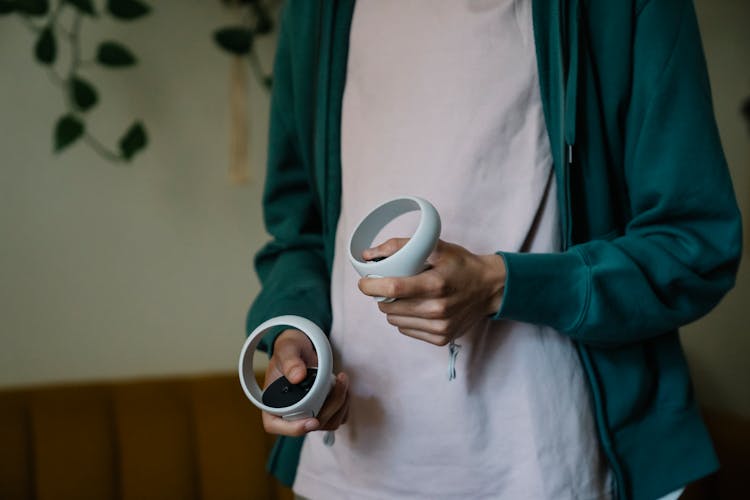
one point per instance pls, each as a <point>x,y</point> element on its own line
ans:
<point>409,259</point>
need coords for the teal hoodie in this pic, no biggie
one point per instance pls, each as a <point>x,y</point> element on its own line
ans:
<point>650,224</point>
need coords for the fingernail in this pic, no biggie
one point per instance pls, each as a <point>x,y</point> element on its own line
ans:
<point>311,425</point>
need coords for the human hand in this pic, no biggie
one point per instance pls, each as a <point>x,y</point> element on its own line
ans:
<point>454,294</point>
<point>292,354</point>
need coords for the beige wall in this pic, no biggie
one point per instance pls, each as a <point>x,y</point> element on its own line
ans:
<point>110,271</point>
<point>119,271</point>
<point>718,346</point>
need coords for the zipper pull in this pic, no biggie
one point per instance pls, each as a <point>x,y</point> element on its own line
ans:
<point>453,349</point>
<point>570,155</point>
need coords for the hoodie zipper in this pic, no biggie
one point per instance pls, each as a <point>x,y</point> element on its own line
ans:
<point>568,121</point>
<point>314,132</point>
<point>325,36</point>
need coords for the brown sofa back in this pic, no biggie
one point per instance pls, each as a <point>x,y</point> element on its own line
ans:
<point>195,438</point>
<point>188,438</point>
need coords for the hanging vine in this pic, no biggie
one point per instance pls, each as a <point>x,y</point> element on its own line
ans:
<point>57,26</point>
<point>54,29</point>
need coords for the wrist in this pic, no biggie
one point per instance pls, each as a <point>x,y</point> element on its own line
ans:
<point>495,274</point>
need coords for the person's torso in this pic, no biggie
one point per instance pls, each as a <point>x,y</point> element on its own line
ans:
<point>442,102</point>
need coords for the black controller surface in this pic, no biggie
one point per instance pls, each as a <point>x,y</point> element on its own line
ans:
<point>282,393</point>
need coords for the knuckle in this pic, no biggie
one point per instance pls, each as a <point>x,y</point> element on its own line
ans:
<point>439,285</point>
<point>442,327</point>
<point>393,288</point>
<point>439,309</point>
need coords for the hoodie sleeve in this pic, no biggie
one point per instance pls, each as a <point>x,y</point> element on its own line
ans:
<point>680,250</point>
<point>291,267</point>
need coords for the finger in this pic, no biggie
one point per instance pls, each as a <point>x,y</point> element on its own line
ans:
<point>430,338</point>
<point>440,327</point>
<point>428,284</point>
<point>335,400</point>
<point>337,419</point>
<point>294,369</point>
<point>422,308</point>
<point>288,359</point>
<point>277,425</point>
<point>385,249</point>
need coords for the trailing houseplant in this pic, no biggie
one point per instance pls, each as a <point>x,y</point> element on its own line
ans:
<point>57,25</point>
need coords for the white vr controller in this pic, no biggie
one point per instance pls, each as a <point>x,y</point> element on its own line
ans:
<point>296,401</point>
<point>304,401</point>
<point>409,259</point>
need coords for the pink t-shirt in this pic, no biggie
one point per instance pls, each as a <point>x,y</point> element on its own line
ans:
<point>442,101</point>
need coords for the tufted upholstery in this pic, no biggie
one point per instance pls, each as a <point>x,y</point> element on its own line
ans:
<point>184,438</point>
<point>194,438</point>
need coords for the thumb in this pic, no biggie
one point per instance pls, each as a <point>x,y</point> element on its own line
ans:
<point>289,360</point>
<point>385,249</point>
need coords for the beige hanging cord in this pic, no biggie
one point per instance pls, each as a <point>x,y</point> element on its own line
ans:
<point>239,134</point>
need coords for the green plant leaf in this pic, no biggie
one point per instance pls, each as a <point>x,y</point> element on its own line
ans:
<point>68,130</point>
<point>31,7</point>
<point>127,9</point>
<point>85,6</point>
<point>6,7</point>
<point>235,39</point>
<point>45,49</point>
<point>114,54</point>
<point>84,94</point>
<point>133,140</point>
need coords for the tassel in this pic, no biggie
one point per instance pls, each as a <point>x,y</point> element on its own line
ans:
<point>239,133</point>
